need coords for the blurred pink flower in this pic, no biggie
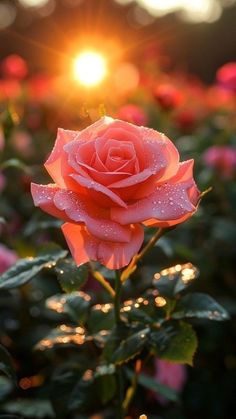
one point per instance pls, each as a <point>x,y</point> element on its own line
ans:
<point>167,96</point>
<point>186,119</point>
<point>171,375</point>
<point>22,143</point>
<point>221,158</point>
<point>132,113</point>
<point>226,76</point>
<point>7,258</point>
<point>14,66</point>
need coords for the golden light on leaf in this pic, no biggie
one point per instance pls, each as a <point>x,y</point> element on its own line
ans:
<point>89,68</point>
<point>160,301</point>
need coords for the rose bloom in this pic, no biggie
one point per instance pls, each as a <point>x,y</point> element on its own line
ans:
<point>111,179</point>
<point>171,375</point>
<point>226,76</point>
<point>223,159</point>
<point>7,258</point>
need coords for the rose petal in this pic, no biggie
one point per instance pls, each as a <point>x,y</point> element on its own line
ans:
<point>43,196</point>
<point>81,210</point>
<point>56,165</point>
<point>85,247</point>
<point>103,190</point>
<point>161,157</point>
<point>116,255</point>
<point>168,202</point>
<point>82,245</point>
<point>169,155</point>
<point>94,130</point>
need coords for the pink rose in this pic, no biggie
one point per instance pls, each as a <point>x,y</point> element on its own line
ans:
<point>111,178</point>
<point>223,159</point>
<point>171,375</point>
<point>7,258</point>
<point>226,76</point>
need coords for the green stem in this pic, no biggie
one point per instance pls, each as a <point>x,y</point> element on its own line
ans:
<point>119,381</point>
<point>100,278</point>
<point>133,264</point>
<point>118,285</point>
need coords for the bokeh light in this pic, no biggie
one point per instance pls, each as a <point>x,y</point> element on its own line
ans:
<point>191,10</point>
<point>89,68</point>
<point>7,14</point>
<point>33,3</point>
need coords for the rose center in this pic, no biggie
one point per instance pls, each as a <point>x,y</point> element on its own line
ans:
<point>120,154</point>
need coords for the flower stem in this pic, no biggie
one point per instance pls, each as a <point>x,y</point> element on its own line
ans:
<point>133,264</point>
<point>119,381</point>
<point>100,278</point>
<point>118,285</point>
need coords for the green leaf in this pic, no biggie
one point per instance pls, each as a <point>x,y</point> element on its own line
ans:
<point>83,393</point>
<point>131,346</point>
<point>70,276</point>
<point>6,387</point>
<point>173,280</point>
<point>175,342</point>
<point>25,269</point>
<point>153,385</point>
<point>118,333</point>
<point>76,305</point>
<point>201,306</point>
<point>37,409</point>
<point>101,317</point>
<point>62,336</point>
<point>62,384</point>
<point>106,385</point>
<point>6,365</point>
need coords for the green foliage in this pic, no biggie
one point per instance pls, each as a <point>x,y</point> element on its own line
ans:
<point>153,385</point>
<point>175,279</point>
<point>6,387</point>
<point>37,409</point>
<point>6,365</point>
<point>201,306</point>
<point>26,269</point>
<point>130,347</point>
<point>175,342</point>
<point>76,305</point>
<point>70,276</point>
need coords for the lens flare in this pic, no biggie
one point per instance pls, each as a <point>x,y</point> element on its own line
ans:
<point>89,68</point>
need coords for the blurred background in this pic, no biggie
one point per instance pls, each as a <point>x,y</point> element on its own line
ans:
<point>197,36</point>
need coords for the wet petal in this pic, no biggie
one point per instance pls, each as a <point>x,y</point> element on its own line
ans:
<point>103,190</point>
<point>116,255</point>
<point>85,247</point>
<point>43,196</point>
<point>81,210</point>
<point>168,202</point>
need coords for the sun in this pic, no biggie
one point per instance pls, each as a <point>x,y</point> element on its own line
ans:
<point>89,68</point>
